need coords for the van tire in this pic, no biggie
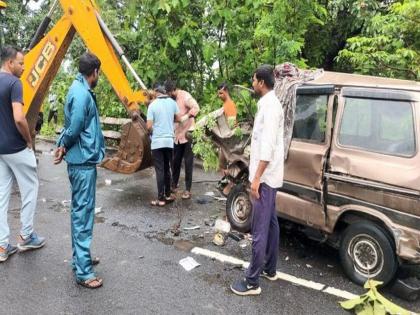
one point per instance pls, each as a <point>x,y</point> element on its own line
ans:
<point>239,208</point>
<point>363,243</point>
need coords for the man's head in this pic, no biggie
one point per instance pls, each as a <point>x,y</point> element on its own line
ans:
<point>223,91</point>
<point>263,80</point>
<point>12,60</point>
<point>170,87</point>
<point>159,88</point>
<point>89,66</point>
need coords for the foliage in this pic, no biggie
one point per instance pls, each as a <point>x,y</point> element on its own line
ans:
<point>389,44</point>
<point>201,43</point>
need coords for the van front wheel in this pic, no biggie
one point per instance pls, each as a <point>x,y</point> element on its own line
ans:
<point>239,208</point>
<point>367,251</point>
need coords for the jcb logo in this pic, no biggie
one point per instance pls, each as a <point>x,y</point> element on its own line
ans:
<point>41,64</point>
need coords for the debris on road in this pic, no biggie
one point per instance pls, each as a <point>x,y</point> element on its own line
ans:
<point>189,263</point>
<point>210,194</point>
<point>222,226</point>
<point>118,189</point>
<point>98,210</point>
<point>108,182</point>
<point>219,239</point>
<point>287,258</point>
<point>308,266</point>
<point>190,228</point>
<point>330,266</point>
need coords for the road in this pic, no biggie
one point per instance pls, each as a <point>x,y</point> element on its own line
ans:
<point>140,256</point>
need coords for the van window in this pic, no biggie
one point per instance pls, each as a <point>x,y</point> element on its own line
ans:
<point>383,126</point>
<point>310,117</point>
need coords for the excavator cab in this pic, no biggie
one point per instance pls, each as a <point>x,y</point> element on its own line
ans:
<point>45,54</point>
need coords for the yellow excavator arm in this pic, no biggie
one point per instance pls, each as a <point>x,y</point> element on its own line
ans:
<point>45,55</point>
<point>2,5</point>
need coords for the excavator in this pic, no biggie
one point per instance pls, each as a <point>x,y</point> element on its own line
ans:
<point>45,54</point>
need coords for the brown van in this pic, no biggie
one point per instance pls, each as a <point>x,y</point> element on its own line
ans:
<point>352,176</point>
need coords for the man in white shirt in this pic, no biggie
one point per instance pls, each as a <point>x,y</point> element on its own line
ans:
<point>266,176</point>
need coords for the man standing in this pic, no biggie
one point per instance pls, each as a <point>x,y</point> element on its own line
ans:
<point>81,143</point>
<point>53,113</point>
<point>230,112</point>
<point>266,176</point>
<point>161,114</point>
<point>183,143</point>
<point>229,106</point>
<point>17,157</point>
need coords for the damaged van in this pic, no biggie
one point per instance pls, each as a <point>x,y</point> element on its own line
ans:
<point>352,176</point>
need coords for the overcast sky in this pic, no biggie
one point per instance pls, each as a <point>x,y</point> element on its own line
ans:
<point>33,4</point>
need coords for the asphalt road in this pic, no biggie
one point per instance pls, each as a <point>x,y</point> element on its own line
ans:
<point>140,256</point>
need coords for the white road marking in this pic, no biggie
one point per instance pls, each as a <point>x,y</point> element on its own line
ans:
<point>284,276</point>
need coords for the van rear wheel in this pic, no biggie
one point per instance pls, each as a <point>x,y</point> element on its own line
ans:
<point>367,251</point>
<point>239,208</point>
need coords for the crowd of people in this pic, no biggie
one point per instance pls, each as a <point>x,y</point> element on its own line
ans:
<point>170,121</point>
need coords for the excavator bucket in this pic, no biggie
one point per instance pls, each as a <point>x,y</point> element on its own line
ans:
<point>2,5</point>
<point>134,152</point>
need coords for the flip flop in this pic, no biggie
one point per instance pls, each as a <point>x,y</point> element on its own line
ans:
<point>170,199</point>
<point>157,203</point>
<point>88,283</point>
<point>186,195</point>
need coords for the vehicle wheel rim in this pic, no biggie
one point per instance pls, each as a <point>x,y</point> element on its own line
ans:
<point>367,255</point>
<point>241,208</point>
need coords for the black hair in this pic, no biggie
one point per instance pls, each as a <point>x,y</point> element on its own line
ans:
<point>88,63</point>
<point>9,53</point>
<point>170,86</point>
<point>266,73</point>
<point>159,87</point>
<point>223,86</point>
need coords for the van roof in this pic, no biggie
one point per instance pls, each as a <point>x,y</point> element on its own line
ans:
<point>358,80</point>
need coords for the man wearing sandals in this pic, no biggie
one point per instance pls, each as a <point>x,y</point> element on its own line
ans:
<point>266,176</point>
<point>183,142</point>
<point>81,144</point>
<point>17,158</point>
<point>161,114</point>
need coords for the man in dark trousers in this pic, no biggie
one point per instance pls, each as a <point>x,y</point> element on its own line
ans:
<point>17,158</point>
<point>161,114</point>
<point>81,143</point>
<point>266,176</point>
<point>188,107</point>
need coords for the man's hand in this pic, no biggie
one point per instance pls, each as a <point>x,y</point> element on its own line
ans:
<point>59,154</point>
<point>30,146</point>
<point>255,187</point>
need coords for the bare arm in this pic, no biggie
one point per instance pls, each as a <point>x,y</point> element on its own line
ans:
<point>22,123</point>
<point>149,125</point>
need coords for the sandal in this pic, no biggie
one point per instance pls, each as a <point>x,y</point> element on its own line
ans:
<point>92,283</point>
<point>171,198</point>
<point>186,195</point>
<point>157,203</point>
<point>95,261</point>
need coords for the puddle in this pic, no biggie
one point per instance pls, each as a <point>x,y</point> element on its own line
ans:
<point>184,245</point>
<point>100,219</point>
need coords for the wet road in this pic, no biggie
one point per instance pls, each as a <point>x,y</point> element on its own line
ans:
<point>140,253</point>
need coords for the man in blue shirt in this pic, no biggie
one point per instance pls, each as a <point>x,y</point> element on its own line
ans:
<point>161,114</point>
<point>17,157</point>
<point>81,143</point>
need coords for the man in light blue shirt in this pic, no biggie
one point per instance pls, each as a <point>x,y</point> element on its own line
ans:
<point>161,114</point>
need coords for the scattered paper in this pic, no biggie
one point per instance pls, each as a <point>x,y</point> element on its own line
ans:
<point>108,182</point>
<point>118,189</point>
<point>308,266</point>
<point>189,263</point>
<point>98,210</point>
<point>65,202</point>
<point>287,258</point>
<point>209,193</point>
